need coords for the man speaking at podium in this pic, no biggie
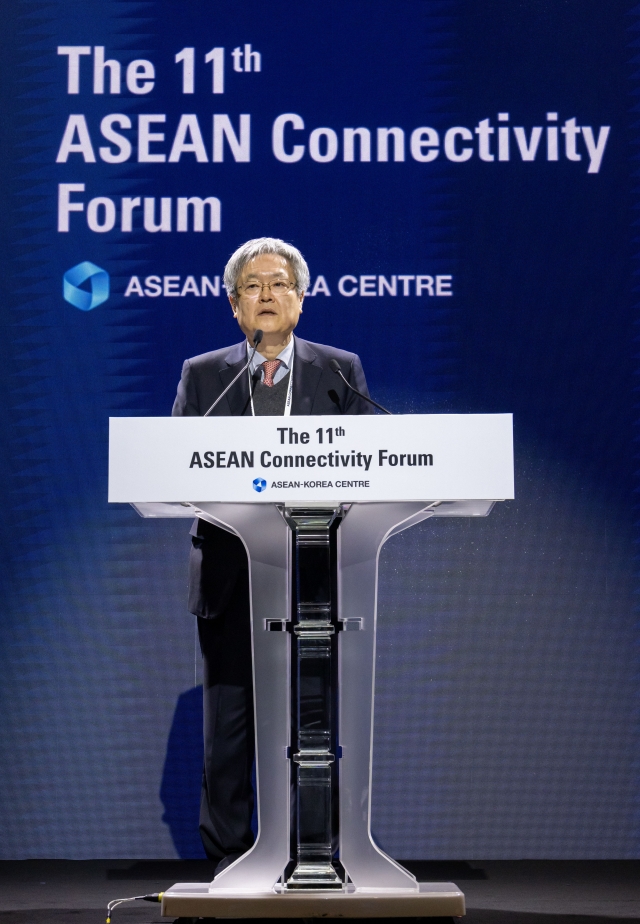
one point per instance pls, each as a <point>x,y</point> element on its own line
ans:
<point>266,280</point>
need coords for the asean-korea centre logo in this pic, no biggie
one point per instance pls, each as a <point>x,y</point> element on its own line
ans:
<point>81,298</point>
<point>259,485</point>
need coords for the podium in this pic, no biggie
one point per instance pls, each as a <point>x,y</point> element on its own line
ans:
<point>313,500</point>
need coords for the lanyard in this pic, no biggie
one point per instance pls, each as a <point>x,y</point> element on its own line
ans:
<point>287,405</point>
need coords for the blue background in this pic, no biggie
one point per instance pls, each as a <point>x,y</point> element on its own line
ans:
<point>507,689</point>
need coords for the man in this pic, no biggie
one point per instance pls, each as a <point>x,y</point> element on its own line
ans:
<point>266,280</point>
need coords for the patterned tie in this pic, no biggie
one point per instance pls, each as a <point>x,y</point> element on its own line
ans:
<point>270,367</point>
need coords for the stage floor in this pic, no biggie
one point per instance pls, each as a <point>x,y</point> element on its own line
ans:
<point>497,892</point>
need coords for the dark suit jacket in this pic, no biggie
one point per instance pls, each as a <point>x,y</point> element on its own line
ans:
<point>218,559</point>
<point>316,388</point>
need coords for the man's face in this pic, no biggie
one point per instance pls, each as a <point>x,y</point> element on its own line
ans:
<point>270,313</point>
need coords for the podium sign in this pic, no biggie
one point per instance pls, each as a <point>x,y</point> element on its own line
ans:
<point>311,459</point>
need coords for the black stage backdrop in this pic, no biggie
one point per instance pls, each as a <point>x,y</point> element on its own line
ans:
<point>474,241</point>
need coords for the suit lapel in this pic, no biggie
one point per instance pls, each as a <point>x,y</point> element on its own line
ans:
<point>238,397</point>
<point>307,373</point>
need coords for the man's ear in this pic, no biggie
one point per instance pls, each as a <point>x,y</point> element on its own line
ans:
<point>234,307</point>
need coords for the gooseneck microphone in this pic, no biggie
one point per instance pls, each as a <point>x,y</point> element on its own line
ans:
<point>257,338</point>
<point>335,366</point>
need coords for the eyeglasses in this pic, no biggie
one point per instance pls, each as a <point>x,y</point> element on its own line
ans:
<point>277,288</point>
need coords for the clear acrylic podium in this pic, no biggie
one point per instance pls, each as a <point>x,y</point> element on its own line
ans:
<point>313,567</point>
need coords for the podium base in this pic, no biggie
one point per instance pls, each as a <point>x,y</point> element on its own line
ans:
<point>434,899</point>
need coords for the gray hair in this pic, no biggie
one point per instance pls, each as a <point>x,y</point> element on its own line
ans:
<point>258,247</point>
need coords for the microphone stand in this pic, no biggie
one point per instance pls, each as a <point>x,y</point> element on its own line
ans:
<point>257,339</point>
<point>335,365</point>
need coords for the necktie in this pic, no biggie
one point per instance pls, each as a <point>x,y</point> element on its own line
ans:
<point>270,367</point>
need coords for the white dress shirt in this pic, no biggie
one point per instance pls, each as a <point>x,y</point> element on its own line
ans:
<point>285,358</point>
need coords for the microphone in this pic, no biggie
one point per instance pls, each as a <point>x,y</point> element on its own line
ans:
<point>335,366</point>
<point>257,339</point>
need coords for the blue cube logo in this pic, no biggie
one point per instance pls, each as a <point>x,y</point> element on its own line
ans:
<point>82,298</point>
<point>259,485</point>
